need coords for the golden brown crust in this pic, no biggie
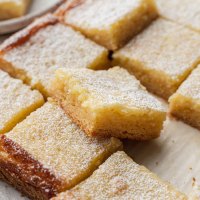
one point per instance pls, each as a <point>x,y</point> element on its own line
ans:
<point>19,169</point>
<point>71,109</point>
<point>76,113</point>
<point>22,36</point>
<point>186,109</point>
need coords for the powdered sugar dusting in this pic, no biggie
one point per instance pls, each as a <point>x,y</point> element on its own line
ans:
<point>50,48</point>
<point>120,178</point>
<point>101,14</point>
<point>191,86</point>
<point>15,97</point>
<point>114,87</point>
<point>181,11</point>
<point>51,138</point>
<point>165,46</point>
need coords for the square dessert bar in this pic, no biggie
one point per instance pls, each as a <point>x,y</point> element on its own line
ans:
<point>35,52</point>
<point>185,12</point>
<point>109,103</point>
<point>162,56</point>
<point>12,8</point>
<point>16,101</point>
<point>47,153</point>
<point>121,178</point>
<point>185,103</point>
<point>110,23</point>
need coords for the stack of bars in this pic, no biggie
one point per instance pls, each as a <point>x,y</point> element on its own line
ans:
<point>76,81</point>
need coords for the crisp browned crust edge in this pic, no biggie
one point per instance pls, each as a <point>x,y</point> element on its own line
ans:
<point>22,36</point>
<point>65,7</point>
<point>26,174</point>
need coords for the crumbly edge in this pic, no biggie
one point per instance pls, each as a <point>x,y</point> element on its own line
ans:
<point>112,38</point>
<point>58,92</point>
<point>139,124</point>
<point>185,109</point>
<point>101,122</point>
<point>106,127</point>
<point>27,175</point>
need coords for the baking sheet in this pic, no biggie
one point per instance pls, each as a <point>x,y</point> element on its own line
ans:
<point>175,157</point>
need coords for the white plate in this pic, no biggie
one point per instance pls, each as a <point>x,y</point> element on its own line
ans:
<point>37,8</point>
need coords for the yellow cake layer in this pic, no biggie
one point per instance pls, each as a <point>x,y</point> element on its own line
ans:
<point>162,56</point>
<point>16,101</point>
<point>185,103</point>
<point>13,8</point>
<point>121,178</point>
<point>185,12</point>
<point>50,137</point>
<point>52,46</point>
<point>109,102</point>
<point>111,23</point>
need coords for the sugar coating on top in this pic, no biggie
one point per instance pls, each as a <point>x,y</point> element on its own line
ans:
<point>121,178</point>
<point>166,47</point>
<point>101,14</point>
<point>114,87</point>
<point>186,12</point>
<point>52,47</point>
<point>51,138</point>
<point>191,86</point>
<point>14,98</point>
